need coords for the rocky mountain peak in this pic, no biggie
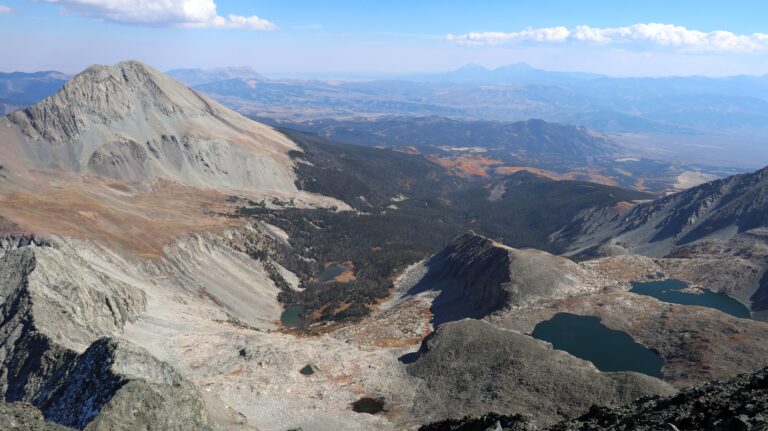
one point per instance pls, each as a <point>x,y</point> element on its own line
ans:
<point>134,124</point>
<point>106,94</point>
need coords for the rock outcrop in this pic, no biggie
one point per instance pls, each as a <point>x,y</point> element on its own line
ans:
<point>471,367</point>
<point>25,417</point>
<point>114,385</point>
<point>476,276</point>
<point>57,304</point>
<point>737,404</point>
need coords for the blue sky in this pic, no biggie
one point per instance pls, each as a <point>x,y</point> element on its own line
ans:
<point>627,38</point>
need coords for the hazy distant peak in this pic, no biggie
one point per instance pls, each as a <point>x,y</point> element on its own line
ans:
<point>510,73</point>
<point>194,77</point>
<point>471,67</point>
<point>516,66</point>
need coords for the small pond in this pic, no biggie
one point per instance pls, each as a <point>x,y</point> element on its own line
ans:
<point>369,405</point>
<point>332,271</point>
<point>293,317</point>
<point>307,370</point>
<point>672,291</point>
<point>586,338</point>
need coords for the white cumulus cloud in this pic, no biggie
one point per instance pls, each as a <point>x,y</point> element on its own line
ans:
<point>171,13</point>
<point>652,34</point>
<point>5,9</point>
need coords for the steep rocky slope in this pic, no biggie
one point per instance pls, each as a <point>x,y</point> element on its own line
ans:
<point>120,145</point>
<point>56,304</point>
<point>718,209</point>
<point>475,276</point>
<point>736,404</point>
<point>192,342</point>
<point>115,385</point>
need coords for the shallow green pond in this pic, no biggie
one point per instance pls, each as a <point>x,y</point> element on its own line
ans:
<point>293,317</point>
<point>586,338</point>
<point>671,291</point>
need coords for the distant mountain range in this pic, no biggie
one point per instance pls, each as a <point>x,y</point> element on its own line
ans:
<point>532,137</point>
<point>512,73</point>
<point>707,119</point>
<point>724,118</point>
<point>191,77</point>
<point>498,148</point>
<point>513,92</point>
<point>20,89</point>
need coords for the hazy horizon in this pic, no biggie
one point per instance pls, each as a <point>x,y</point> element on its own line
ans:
<point>304,38</point>
<point>368,75</point>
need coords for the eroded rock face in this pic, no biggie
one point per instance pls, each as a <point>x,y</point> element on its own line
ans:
<point>115,385</point>
<point>470,367</point>
<point>29,358</point>
<point>55,304</point>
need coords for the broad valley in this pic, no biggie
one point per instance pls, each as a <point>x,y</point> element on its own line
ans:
<point>484,249</point>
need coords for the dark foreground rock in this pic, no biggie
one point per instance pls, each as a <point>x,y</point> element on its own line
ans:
<point>737,404</point>
<point>115,385</point>
<point>25,417</point>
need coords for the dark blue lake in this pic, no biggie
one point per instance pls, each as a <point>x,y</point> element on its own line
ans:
<point>672,291</point>
<point>586,338</point>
